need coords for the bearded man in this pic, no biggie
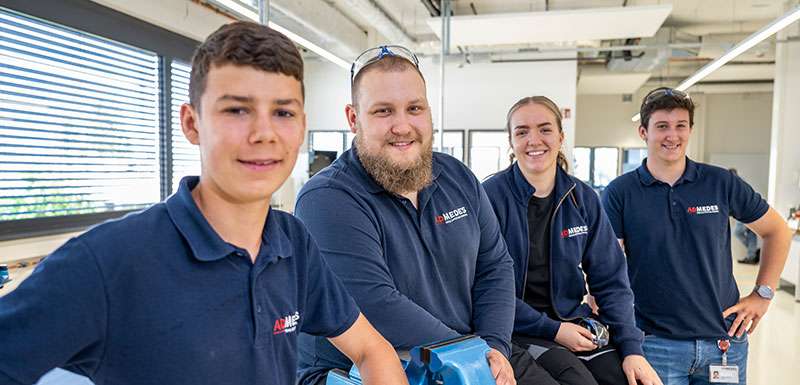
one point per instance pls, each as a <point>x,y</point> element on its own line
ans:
<point>410,232</point>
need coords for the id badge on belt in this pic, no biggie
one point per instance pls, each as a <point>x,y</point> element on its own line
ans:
<point>723,373</point>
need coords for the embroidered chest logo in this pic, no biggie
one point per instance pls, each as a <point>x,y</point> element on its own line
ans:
<point>575,231</point>
<point>450,216</point>
<point>286,324</point>
<point>710,209</point>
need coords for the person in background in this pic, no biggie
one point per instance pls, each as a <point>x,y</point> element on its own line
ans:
<point>557,233</point>
<point>409,231</point>
<point>748,238</point>
<point>671,214</point>
<point>211,286</point>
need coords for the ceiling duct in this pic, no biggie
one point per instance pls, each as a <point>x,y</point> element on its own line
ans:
<point>377,18</point>
<point>654,56</point>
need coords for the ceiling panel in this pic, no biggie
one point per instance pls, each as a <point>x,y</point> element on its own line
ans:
<point>611,83</point>
<point>540,27</point>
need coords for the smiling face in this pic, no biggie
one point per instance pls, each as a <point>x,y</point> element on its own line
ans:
<point>393,118</point>
<point>535,139</point>
<point>394,129</point>
<point>667,136</point>
<point>249,130</point>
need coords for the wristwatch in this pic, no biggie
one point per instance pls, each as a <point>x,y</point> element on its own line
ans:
<point>764,291</point>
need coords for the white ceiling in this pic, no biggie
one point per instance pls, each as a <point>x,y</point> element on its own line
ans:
<point>703,28</point>
<point>715,24</point>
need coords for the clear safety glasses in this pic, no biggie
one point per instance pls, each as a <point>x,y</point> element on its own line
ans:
<point>374,54</point>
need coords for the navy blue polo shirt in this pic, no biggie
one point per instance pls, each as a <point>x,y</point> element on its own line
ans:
<point>678,243</point>
<point>159,298</point>
<point>418,275</point>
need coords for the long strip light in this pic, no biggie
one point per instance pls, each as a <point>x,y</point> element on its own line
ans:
<point>759,36</point>
<point>253,15</point>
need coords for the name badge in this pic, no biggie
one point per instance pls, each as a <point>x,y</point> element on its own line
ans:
<point>723,374</point>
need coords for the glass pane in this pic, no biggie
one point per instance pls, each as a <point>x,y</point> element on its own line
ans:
<point>605,166</point>
<point>632,158</point>
<point>453,144</point>
<point>328,141</point>
<point>582,163</point>
<point>488,152</point>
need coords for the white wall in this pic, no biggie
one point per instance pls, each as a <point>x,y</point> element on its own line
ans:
<point>785,161</point>
<point>738,123</point>
<point>327,92</point>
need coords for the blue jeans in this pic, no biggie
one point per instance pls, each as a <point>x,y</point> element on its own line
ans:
<point>681,362</point>
<point>747,237</point>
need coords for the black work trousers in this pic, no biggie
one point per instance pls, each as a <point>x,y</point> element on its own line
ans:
<point>598,367</point>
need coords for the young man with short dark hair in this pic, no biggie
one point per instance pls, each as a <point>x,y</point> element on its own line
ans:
<point>211,286</point>
<point>671,216</point>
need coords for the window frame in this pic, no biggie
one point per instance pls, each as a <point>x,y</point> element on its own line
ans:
<point>618,167</point>
<point>91,18</point>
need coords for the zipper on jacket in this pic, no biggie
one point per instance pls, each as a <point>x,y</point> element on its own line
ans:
<point>550,268</point>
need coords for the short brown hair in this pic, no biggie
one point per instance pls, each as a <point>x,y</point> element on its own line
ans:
<point>244,44</point>
<point>668,102</point>
<point>388,63</point>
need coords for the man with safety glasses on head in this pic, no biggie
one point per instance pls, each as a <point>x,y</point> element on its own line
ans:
<point>410,232</point>
<point>671,216</point>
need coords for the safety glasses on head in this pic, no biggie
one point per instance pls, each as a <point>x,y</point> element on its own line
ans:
<point>374,54</point>
<point>662,92</point>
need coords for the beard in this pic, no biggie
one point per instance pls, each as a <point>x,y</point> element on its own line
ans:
<point>394,177</point>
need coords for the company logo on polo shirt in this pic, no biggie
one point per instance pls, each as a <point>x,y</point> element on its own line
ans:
<point>575,231</point>
<point>286,324</point>
<point>450,216</point>
<point>710,209</point>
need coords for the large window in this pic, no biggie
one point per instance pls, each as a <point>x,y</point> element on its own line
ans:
<point>488,152</point>
<point>86,112</point>
<point>79,122</point>
<point>338,141</point>
<point>453,143</point>
<point>596,166</point>
<point>632,158</point>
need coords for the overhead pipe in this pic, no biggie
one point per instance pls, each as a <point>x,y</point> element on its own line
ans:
<point>432,8</point>
<point>376,17</point>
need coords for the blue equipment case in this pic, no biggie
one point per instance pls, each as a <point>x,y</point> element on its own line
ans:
<point>456,361</point>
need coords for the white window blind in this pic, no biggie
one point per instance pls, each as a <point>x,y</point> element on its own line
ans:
<point>79,122</point>
<point>185,156</point>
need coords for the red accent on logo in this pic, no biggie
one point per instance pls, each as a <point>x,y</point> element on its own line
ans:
<point>564,233</point>
<point>280,326</point>
<point>438,220</point>
<point>692,210</point>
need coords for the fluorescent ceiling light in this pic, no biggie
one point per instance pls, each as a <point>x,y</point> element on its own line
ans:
<point>763,33</point>
<point>253,15</point>
<point>771,28</point>
<point>552,26</point>
<point>311,46</point>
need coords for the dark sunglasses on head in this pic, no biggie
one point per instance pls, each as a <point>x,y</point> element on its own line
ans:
<point>377,53</point>
<point>662,92</point>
